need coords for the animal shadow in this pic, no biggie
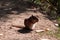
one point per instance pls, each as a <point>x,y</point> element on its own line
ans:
<point>24,30</point>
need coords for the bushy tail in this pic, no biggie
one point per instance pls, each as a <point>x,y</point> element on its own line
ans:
<point>17,26</point>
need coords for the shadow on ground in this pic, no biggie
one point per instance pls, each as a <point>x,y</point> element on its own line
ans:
<point>11,7</point>
<point>24,30</point>
<point>14,7</point>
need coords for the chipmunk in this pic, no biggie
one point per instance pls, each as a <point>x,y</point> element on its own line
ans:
<point>30,22</point>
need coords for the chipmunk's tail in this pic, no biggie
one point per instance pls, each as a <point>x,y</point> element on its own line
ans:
<point>17,26</point>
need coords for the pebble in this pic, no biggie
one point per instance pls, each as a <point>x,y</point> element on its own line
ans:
<point>44,39</point>
<point>39,30</point>
<point>1,34</point>
<point>56,24</point>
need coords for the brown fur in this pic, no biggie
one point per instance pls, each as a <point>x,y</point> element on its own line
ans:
<point>29,22</point>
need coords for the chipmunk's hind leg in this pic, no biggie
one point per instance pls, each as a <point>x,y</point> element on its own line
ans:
<point>27,28</point>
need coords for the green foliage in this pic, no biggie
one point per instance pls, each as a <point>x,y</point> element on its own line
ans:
<point>58,2</point>
<point>49,7</point>
<point>58,20</point>
<point>57,34</point>
<point>37,2</point>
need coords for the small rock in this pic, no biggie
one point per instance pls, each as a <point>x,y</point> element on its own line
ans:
<point>44,39</point>
<point>1,34</point>
<point>7,9</point>
<point>14,12</point>
<point>47,29</point>
<point>56,24</point>
<point>39,30</point>
<point>10,8</point>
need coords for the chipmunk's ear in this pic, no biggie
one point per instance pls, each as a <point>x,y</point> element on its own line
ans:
<point>32,15</point>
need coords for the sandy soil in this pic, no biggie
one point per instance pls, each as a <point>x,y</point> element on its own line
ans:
<point>12,33</point>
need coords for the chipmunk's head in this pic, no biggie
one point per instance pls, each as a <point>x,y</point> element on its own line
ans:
<point>34,19</point>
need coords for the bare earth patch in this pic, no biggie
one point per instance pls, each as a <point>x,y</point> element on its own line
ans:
<point>11,33</point>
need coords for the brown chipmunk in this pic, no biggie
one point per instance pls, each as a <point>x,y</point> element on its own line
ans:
<point>30,22</point>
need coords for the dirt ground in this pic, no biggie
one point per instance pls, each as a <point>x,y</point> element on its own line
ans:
<point>12,33</point>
